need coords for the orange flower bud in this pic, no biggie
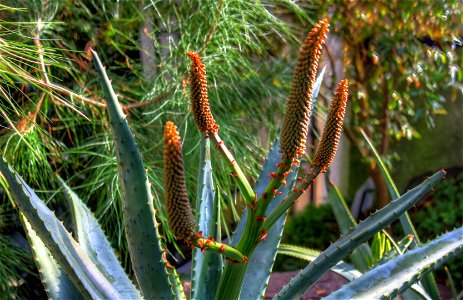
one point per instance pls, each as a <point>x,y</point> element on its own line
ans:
<point>199,99</point>
<point>332,132</point>
<point>296,121</point>
<point>179,214</point>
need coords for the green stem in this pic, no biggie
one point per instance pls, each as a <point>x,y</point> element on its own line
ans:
<point>243,184</point>
<point>289,201</point>
<point>255,230</point>
<point>233,276</point>
<point>212,246</point>
<point>278,178</point>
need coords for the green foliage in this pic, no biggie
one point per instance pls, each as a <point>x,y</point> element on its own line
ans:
<point>16,265</point>
<point>315,227</point>
<point>443,210</point>
<point>401,57</point>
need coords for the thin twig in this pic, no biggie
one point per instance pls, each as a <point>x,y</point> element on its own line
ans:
<point>52,86</point>
<point>212,29</point>
<point>333,69</point>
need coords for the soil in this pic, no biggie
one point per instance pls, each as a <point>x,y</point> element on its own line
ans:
<point>327,284</point>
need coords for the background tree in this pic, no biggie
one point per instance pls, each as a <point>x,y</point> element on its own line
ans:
<point>399,56</point>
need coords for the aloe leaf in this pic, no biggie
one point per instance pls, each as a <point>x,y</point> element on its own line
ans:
<point>177,286</point>
<point>394,277</point>
<point>207,266</point>
<point>55,281</point>
<point>94,242</point>
<point>429,281</point>
<point>361,257</point>
<point>416,291</point>
<point>83,273</point>
<point>362,232</point>
<point>405,219</point>
<point>341,268</point>
<point>140,224</point>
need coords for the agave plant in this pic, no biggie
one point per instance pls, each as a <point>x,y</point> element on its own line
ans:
<point>84,265</point>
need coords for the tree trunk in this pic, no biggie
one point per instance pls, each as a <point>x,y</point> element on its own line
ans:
<point>382,193</point>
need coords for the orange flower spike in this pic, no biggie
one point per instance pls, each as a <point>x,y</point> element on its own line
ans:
<point>199,99</point>
<point>332,132</point>
<point>296,121</point>
<point>179,214</point>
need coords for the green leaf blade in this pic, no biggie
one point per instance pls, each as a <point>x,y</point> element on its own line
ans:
<point>341,268</point>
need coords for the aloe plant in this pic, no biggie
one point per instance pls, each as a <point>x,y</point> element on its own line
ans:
<point>84,265</point>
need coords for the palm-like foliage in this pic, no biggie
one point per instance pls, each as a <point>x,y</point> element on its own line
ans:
<point>53,115</point>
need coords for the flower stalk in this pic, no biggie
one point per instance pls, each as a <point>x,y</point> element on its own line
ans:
<point>179,213</point>
<point>293,144</point>
<point>298,107</point>
<point>333,127</point>
<point>206,124</point>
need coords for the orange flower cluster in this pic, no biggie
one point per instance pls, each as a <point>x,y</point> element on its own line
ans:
<point>296,121</point>
<point>333,127</point>
<point>179,214</point>
<point>199,99</point>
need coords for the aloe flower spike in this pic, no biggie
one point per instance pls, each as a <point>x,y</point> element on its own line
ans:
<point>326,150</point>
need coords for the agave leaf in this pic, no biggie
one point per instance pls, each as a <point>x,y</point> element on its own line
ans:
<point>362,232</point>
<point>392,278</point>
<point>341,268</point>
<point>361,256</point>
<point>429,281</point>
<point>206,267</point>
<point>94,242</point>
<point>140,224</point>
<point>55,281</point>
<point>263,258</point>
<point>83,273</point>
